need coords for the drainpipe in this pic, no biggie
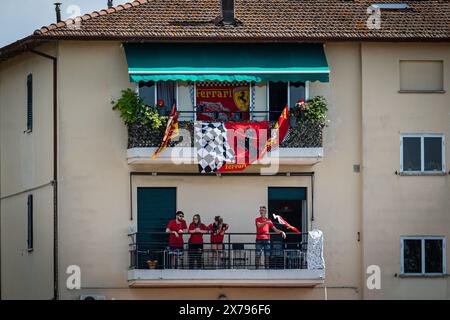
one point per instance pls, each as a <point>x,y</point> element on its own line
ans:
<point>55,171</point>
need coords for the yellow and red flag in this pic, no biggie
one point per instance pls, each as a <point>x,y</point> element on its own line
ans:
<point>170,133</point>
<point>281,129</point>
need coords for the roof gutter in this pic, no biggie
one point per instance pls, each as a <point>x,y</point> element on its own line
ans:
<point>444,38</point>
<point>55,170</point>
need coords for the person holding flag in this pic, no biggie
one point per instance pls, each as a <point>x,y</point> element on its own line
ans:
<point>263,226</point>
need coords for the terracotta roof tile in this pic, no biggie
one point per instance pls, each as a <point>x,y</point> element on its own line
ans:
<point>259,19</point>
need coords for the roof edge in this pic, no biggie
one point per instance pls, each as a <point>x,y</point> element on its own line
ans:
<point>22,45</point>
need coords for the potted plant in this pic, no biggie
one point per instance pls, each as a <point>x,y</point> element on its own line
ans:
<point>297,112</point>
<point>152,264</point>
<point>134,111</point>
<point>315,110</point>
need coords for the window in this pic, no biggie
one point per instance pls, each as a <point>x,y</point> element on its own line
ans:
<point>422,153</point>
<point>423,255</point>
<point>147,92</point>
<point>283,93</point>
<point>30,103</point>
<point>30,223</point>
<point>421,76</point>
<point>152,91</point>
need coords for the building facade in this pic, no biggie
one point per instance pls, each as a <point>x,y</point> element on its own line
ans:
<point>73,185</point>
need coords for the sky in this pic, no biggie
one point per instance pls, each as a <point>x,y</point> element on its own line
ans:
<point>19,18</point>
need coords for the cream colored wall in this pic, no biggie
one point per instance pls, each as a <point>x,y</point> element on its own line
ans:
<point>337,187</point>
<point>27,275</point>
<point>399,205</point>
<point>26,163</point>
<point>94,181</point>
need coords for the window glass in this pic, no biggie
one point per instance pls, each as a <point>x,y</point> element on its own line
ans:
<point>147,92</point>
<point>433,256</point>
<point>412,154</point>
<point>296,92</point>
<point>277,98</point>
<point>433,153</point>
<point>412,258</point>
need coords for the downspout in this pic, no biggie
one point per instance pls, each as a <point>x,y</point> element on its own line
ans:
<point>362,174</point>
<point>55,171</point>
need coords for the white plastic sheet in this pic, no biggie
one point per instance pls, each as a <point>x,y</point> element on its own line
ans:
<point>314,255</point>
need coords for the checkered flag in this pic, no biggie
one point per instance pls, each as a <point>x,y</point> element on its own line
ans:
<point>211,146</point>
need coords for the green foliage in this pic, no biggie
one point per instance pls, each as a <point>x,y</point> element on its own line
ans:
<point>316,110</point>
<point>133,111</point>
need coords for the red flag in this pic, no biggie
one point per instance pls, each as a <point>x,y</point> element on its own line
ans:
<point>281,129</point>
<point>285,223</point>
<point>238,133</point>
<point>170,133</point>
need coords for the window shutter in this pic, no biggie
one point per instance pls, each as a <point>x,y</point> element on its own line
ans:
<point>30,223</point>
<point>30,102</point>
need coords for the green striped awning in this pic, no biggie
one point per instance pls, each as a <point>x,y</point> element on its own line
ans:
<point>226,62</point>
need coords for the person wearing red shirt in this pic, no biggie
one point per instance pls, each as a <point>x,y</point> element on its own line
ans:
<point>263,226</point>
<point>217,229</point>
<point>196,229</point>
<point>176,228</point>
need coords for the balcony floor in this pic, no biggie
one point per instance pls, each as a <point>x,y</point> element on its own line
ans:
<point>225,277</point>
<point>185,155</point>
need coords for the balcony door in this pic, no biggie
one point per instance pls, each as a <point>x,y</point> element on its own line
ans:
<point>290,203</point>
<point>155,207</point>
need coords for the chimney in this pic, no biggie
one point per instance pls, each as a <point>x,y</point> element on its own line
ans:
<point>228,11</point>
<point>110,4</point>
<point>58,11</point>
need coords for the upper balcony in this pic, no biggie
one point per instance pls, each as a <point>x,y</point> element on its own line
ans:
<point>226,82</point>
<point>302,146</point>
<point>237,263</point>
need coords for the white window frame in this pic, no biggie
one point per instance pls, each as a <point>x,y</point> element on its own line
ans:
<point>423,239</point>
<point>422,137</point>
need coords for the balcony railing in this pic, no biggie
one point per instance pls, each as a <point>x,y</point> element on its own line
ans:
<point>238,252</point>
<point>302,134</point>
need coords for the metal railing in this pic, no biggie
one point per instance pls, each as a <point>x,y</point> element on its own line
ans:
<point>229,115</point>
<point>238,251</point>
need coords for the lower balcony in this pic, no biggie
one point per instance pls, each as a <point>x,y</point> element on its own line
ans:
<point>284,264</point>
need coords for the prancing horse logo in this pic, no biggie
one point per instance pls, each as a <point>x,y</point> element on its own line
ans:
<point>241,97</point>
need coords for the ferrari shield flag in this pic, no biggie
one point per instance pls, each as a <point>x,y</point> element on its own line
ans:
<point>170,133</point>
<point>222,101</point>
